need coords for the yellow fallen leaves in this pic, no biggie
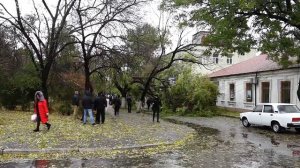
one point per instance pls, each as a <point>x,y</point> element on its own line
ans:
<point>124,131</point>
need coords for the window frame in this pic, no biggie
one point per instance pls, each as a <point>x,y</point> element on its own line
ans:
<point>284,91</point>
<point>215,58</point>
<point>262,92</point>
<point>229,60</point>
<point>232,96</point>
<point>249,99</point>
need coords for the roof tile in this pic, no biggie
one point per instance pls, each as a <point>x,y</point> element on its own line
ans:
<point>256,64</point>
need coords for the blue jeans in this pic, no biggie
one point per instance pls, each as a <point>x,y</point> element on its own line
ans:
<point>85,111</point>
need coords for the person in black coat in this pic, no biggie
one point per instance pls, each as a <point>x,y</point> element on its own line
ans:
<point>149,102</point>
<point>87,104</point>
<point>129,103</point>
<point>110,98</point>
<point>156,107</point>
<point>75,103</point>
<point>100,104</point>
<point>117,104</point>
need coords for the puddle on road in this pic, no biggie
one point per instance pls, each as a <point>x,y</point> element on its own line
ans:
<point>280,144</point>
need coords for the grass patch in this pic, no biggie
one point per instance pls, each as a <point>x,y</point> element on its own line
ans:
<point>228,113</point>
<point>1,121</point>
<point>125,130</point>
<point>183,112</point>
<point>218,111</point>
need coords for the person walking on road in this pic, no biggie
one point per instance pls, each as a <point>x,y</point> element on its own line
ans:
<point>156,108</point>
<point>117,104</point>
<point>41,110</point>
<point>129,103</point>
<point>87,104</point>
<point>149,102</point>
<point>100,104</point>
<point>75,103</point>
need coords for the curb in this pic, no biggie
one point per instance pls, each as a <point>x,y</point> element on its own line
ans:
<point>65,150</point>
<point>229,116</point>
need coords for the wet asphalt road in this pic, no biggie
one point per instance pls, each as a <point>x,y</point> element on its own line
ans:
<point>247,147</point>
<point>221,142</point>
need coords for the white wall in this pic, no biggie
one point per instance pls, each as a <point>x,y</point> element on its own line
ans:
<point>274,77</point>
<point>210,66</point>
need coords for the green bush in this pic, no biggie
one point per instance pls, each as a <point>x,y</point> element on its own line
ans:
<point>192,95</point>
<point>18,89</point>
<point>65,108</point>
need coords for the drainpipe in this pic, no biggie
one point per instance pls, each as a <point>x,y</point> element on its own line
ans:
<point>255,84</point>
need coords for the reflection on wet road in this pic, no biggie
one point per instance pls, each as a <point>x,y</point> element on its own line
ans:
<point>248,147</point>
<point>231,130</point>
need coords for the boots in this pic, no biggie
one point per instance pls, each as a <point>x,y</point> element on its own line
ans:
<point>36,130</point>
<point>48,125</point>
<point>37,127</point>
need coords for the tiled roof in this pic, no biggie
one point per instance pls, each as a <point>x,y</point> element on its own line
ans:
<point>256,64</point>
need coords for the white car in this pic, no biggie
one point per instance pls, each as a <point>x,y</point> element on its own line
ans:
<point>279,116</point>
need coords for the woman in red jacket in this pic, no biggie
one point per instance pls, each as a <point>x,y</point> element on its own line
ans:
<point>41,110</point>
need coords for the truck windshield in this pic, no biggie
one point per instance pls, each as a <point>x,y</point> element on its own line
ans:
<point>288,109</point>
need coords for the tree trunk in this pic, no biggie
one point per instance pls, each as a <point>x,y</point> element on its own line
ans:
<point>145,90</point>
<point>123,92</point>
<point>88,84</point>
<point>123,104</point>
<point>123,99</point>
<point>44,78</point>
<point>45,88</point>
<point>140,106</point>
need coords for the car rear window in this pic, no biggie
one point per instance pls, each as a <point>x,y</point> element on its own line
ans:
<point>288,109</point>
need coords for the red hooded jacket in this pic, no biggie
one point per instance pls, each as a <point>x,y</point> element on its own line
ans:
<point>43,110</point>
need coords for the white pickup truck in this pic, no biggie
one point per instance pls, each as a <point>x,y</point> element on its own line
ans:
<point>279,116</point>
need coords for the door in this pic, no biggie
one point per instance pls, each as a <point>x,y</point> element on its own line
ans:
<point>254,117</point>
<point>265,92</point>
<point>267,115</point>
<point>285,91</point>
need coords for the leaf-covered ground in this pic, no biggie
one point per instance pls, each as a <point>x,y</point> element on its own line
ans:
<point>126,130</point>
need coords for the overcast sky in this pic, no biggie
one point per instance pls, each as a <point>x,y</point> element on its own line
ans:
<point>150,15</point>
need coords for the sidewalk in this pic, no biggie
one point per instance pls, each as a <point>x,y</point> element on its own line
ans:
<point>126,131</point>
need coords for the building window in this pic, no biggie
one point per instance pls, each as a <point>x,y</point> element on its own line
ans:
<point>249,92</point>
<point>285,91</point>
<point>204,60</point>
<point>215,58</point>
<point>229,60</point>
<point>231,92</point>
<point>265,92</point>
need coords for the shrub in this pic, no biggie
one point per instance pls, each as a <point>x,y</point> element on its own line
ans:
<point>65,108</point>
<point>192,95</point>
<point>19,88</point>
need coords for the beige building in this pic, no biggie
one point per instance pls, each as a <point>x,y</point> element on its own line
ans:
<point>216,62</point>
